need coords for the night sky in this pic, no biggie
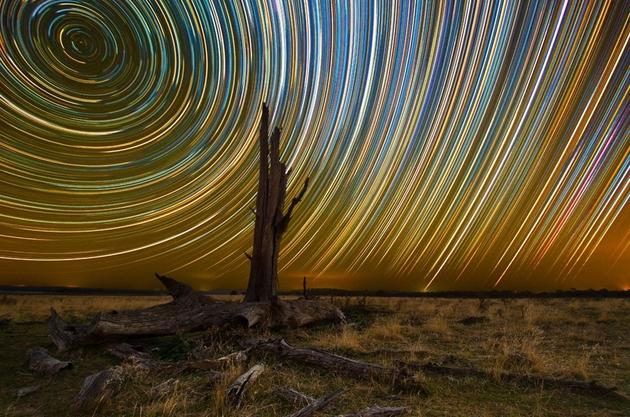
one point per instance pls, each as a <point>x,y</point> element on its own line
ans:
<point>459,145</point>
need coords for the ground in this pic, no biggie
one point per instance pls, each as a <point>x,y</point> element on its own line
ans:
<point>577,338</point>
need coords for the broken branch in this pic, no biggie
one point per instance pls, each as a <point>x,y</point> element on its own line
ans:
<point>317,405</point>
<point>39,360</point>
<point>236,390</point>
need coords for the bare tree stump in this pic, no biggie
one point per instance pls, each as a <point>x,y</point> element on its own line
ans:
<point>191,311</point>
<point>236,390</point>
<point>39,360</point>
<point>317,405</point>
<point>271,220</point>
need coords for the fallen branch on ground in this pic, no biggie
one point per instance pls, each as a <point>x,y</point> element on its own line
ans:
<point>317,405</point>
<point>236,390</point>
<point>295,397</point>
<point>337,363</point>
<point>39,360</point>
<point>143,361</point>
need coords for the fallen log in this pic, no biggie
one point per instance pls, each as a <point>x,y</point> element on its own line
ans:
<point>189,311</point>
<point>576,385</point>
<point>317,405</point>
<point>400,377</point>
<point>376,411</point>
<point>39,360</point>
<point>294,397</point>
<point>236,390</point>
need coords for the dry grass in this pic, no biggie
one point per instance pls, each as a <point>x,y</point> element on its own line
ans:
<point>348,338</point>
<point>386,329</point>
<point>570,338</point>
<point>438,325</point>
<point>37,307</point>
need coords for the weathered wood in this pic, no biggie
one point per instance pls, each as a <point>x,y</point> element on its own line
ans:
<point>233,358</point>
<point>294,397</point>
<point>581,386</point>
<point>221,363</point>
<point>100,386</point>
<point>189,311</point>
<point>142,361</point>
<point>255,285</point>
<point>377,411</point>
<point>214,364</point>
<point>127,352</point>
<point>175,288</point>
<point>236,390</point>
<point>341,364</point>
<point>39,360</point>
<point>271,222</point>
<point>302,312</point>
<point>317,405</point>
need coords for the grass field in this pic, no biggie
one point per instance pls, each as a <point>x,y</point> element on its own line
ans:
<point>577,338</point>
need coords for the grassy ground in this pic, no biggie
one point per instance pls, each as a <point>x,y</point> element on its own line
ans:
<point>565,337</point>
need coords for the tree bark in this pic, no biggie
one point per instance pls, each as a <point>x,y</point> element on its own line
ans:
<point>271,220</point>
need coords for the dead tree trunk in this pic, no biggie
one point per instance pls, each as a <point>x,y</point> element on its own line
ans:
<point>189,310</point>
<point>271,220</point>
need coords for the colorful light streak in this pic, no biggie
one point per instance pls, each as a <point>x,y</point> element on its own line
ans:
<point>449,144</point>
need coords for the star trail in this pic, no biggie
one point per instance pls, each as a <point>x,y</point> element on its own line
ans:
<point>450,145</point>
